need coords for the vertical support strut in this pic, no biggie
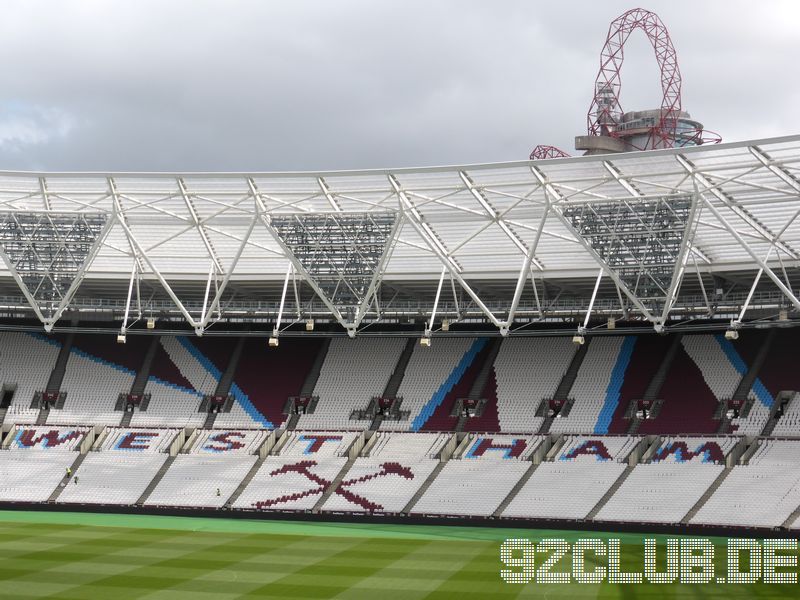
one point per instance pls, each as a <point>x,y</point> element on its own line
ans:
<point>128,301</point>
<point>435,303</point>
<point>425,232</point>
<point>746,304</point>
<point>276,330</point>
<point>591,302</point>
<point>702,286</point>
<point>205,298</point>
<point>527,265</point>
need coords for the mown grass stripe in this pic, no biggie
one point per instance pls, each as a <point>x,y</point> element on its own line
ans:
<point>81,562</point>
<point>136,575</point>
<point>413,576</point>
<point>331,575</point>
<point>479,577</point>
<point>56,566</point>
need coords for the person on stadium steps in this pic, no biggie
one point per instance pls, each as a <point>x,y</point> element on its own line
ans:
<point>69,472</point>
<point>76,480</point>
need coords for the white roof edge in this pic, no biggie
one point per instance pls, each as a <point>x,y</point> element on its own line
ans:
<point>405,170</point>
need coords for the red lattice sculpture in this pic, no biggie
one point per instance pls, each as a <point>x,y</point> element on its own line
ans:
<point>605,112</point>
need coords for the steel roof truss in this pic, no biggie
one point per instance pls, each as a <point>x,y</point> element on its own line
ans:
<point>341,255</point>
<point>701,181</point>
<point>200,229</point>
<point>48,253</point>
<point>763,265</point>
<point>139,253</point>
<point>557,197</point>
<point>527,266</point>
<point>413,217</point>
<point>685,243</point>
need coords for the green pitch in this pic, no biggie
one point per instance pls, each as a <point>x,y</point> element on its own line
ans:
<point>98,557</point>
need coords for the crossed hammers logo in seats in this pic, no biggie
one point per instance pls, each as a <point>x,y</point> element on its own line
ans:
<point>303,468</point>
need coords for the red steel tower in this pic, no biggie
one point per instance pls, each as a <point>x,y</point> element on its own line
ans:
<point>613,130</point>
<point>541,152</point>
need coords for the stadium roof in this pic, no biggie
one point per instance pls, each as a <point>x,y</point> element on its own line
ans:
<point>675,233</point>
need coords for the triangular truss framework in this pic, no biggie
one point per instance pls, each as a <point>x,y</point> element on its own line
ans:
<point>341,255</point>
<point>48,253</point>
<point>642,241</point>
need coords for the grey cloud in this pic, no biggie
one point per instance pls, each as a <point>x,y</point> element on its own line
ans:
<point>249,85</point>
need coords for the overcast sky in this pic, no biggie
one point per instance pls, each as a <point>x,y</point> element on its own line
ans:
<point>332,84</point>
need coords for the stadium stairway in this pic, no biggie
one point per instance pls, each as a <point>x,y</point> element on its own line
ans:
<point>358,448</point>
<point>611,491</point>
<point>226,381</point>
<point>143,374</point>
<point>424,487</point>
<point>748,379</point>
<point>706,495</point>
<point>655,385</point>
<point>246,481</point>
<point>140,381</point>
<point>390,391</point>
<point>483,376</point>
<point>313,375</point>
<point>127,416</point>
<point>792,518</point>
<point>57,374</point>
<point>774,416</point>
<point>65,481</point>
<point>41,418</point>
<point>746,384</point>
<point>566,383</point>
<point>769,426</point>
<point>156,480</point>
<point>633,427</point>
<point>515,490</point>
<point>400,370</point>
<point>311,379</point>
<point>209,422</point>
<point>334,484</point>
<point>56,377</point>
<point>479,384</point>
<point>744,459</point>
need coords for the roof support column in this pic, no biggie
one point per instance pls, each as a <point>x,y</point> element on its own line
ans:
<point>429,326</point>
<point>527,265</point>
<point>277,327</point>
<point>702,287</point>
<point>582,330</point>
<point>680,264</point>
<point>128,302</point>
<point>199,331</point>
<point>455,297</point>
<point>215,302</point>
